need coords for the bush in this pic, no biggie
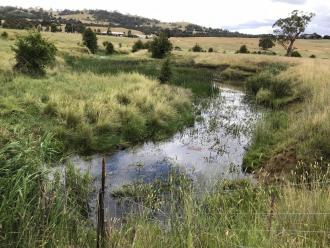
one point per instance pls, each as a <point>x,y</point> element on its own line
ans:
<point>33,54</point>
<point>313,56</point>
<point>4,35</point>
<point>177,48</point>
<point>160,46</point>
<point>110,48</point>
<point>296,54</point>
<point>138,45</point>
<point>197,48</point>
<point>243,49</point>
<point>105,43</point>
<point>166,72</point>
<point>90,40</point>
<point>211,50</point>
<point>266,42</point>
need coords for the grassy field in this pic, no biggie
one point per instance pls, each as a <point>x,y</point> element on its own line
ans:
<point>97,103</point>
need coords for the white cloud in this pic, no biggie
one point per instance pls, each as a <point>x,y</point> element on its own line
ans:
<point>235,14</point>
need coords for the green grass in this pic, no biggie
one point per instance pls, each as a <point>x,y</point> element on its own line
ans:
<point>233,214</point>
<point>199,80</point>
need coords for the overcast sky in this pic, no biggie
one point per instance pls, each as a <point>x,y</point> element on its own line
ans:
<point>248,16</point>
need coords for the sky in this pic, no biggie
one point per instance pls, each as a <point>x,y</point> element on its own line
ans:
<point>247,16</point>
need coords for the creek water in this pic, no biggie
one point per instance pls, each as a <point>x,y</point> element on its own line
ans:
<point>213,148</point>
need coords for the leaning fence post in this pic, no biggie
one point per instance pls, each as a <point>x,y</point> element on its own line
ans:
<point>100,213</point>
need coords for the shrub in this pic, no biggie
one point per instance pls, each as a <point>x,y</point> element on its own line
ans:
<point>33,54</point>
<point>266,42</point>
<point>313,56</point>
<point>177,48</point>
<point>296,54</point>
<point>211,50</point>
<point>105,43</point>
<point>160,46</point>
<point>110,48</point>
<point>4,35</point>
<point>197,48</point>
<point>166,72</point>
<point>90,40</point>
<point>138,45</point>
<point>243,49</point>
<point>55,28</point>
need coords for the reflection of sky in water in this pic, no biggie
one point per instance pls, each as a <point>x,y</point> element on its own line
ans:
<point>212,148</point>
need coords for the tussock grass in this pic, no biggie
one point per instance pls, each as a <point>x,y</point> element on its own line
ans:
<point>79,106</point>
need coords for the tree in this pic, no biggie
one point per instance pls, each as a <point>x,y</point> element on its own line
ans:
<point>165,72</point>
<point>266,42</point>
<point>138,45</point>
<point>160,46</point>
<point>109,48</point>
<point>90,40</point>
<point>33,54</point>
<point>290,28</point>
<point>197,48</point>
<point>243,49</point>
<point>129,33</point>
<point>55,28</point>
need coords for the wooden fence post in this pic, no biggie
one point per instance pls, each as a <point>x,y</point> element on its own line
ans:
<point>100,213</point>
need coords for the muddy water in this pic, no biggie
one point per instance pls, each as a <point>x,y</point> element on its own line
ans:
<point>213,148</point>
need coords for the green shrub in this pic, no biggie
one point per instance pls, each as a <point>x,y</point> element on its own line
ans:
<point>90,40</point>
<point>166,72</point>
<point>211,50</point>
<point>110,48</point>
<point>138,45</point>
<point>33,54</point>
<point>4,35</point>
<point>313,56</point>
<point>266,42</point>
<point>160,46</point>
<point>197,48</point>
<point>243,49</point>
<point>296,54</point>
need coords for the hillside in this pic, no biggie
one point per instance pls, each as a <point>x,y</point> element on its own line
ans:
<point>20,18</point>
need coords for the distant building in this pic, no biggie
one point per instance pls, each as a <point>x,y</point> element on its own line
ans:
<point>118,34</point>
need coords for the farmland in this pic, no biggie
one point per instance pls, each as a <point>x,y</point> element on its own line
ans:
<point>98,104</point>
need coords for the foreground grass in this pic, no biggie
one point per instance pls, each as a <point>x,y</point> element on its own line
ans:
<point>233,214</point>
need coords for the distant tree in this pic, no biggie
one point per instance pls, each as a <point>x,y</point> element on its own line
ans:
<point>55,28</point>
<point>109,30</point>
<point>327,37</point>
<point>90,40</point>
<point>166,72</point>
<point>290,28</point>
<point>129,33</point>
<point>138,45</point>
<point>110,48</point>
<point>266,42</point>
<point>160,46</point>
<point>33,54</point>
<point>211,50</point>
<point>197,48</point>
<point>243,49</point>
